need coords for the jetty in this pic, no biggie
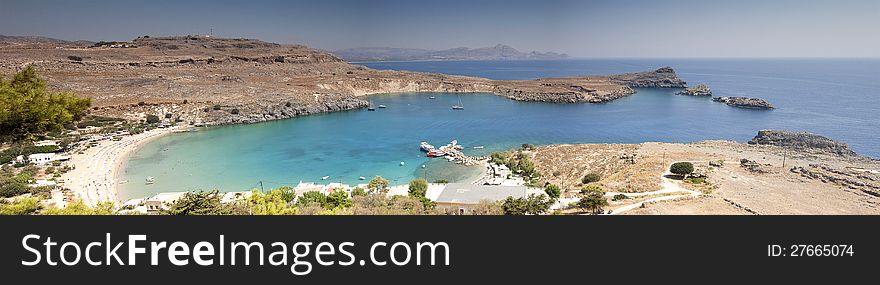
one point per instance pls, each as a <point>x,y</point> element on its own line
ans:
<point>452,152</point>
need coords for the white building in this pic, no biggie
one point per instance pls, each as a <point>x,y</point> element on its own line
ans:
<point>46,143</point>
<point>160,201</point>
<point>42,158</point>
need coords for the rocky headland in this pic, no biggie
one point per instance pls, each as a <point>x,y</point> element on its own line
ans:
<point>745,102</point>
<point>203,80</point>
<point>801,141</point>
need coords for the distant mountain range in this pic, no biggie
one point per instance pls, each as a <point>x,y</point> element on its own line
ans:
<point>498,52</point>
<point>8,40</point>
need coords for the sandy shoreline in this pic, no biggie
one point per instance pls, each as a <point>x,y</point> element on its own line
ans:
<point>95,177</point>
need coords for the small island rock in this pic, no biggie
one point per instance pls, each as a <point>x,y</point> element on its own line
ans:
<point>744,102</point>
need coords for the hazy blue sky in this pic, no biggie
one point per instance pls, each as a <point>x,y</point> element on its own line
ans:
<point>580,28</point>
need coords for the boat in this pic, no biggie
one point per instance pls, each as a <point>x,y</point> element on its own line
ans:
<point>479,147</point>
<point>435,153</point>
<point>426,147</point>
<point>362,178</point>
<point>458,106</point>
<point>371,108</point>
<point>151,180</point>
<point>432,97</point>
<point>325,177</point>
<point>382,106</point>
<point>401,163</point>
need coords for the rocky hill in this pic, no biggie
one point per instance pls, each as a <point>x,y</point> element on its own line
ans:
<point>801,141</point>
<point>205,80</point>
<point>498,52</point>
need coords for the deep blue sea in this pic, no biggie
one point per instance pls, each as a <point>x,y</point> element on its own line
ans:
<point>835,98</point>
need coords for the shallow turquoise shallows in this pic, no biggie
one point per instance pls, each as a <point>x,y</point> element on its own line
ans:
<point>838,99</point>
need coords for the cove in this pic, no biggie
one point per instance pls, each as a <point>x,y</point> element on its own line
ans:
<point>348,145</point>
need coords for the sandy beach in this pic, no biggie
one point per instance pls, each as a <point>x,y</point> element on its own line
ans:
<point>94,178</point>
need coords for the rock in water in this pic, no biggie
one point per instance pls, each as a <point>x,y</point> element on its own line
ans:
<point>744,102</point>
<point>801,141</point>
<point>699,90</point>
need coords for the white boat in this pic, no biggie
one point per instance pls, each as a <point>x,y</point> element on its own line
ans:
<point>362,178</point>
<point>459,106</point>
<point>402,163</point>
<point>426,147</point>
<point>479,147</point>
<point>432,97</point>
<point>151,180</point>
<point>325,177</point>
<point>382,106</point>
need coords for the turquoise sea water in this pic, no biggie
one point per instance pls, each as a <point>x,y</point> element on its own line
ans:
<point>836,98</point>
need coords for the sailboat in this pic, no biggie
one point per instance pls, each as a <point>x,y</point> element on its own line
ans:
<point>459,106</point>
<point>370,107</point>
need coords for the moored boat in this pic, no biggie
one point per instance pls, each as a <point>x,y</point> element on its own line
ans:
<point>426,147</point>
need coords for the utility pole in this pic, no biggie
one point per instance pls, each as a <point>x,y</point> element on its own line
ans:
<point>784,154</point>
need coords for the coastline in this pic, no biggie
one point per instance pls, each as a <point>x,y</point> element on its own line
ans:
<point>96,173</point>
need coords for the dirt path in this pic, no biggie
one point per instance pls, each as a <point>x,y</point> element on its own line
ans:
<point>668,186</point>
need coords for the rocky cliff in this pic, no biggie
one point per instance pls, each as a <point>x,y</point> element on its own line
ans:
<point>205,80</point>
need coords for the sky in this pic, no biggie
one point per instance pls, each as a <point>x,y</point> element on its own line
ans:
<point>627,28</point>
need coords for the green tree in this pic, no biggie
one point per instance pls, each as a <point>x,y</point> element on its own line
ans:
<point>22,206</point>
<point>590,178</point>
<point>553,191</point>
<point>682,168</point>
<point>358,191</point>
<point>592,201</point>
<point>198,203</point>
<point>534,204</point>
<point>499,158</point>
<point>619,197</point>
<point>377,185</point>
<point>153,119</point>
<point>514,206</point>
<point>28,109</point>
<point>79,208</point>
<point>287,193</point>
<point>274,202</point>
<point>418,187</point>
<point>311,198</point>
<point>337,199</point>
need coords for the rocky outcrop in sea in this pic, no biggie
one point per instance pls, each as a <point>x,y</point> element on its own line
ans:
<point>745,102</point>
<point>699,90</point>
<point>801,141</point>
<point>664,77</point>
